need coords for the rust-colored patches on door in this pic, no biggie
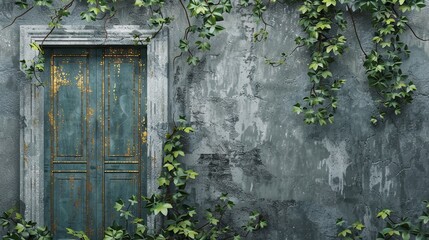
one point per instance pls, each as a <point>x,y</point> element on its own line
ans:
<point>52,121</point>
<point>80,81</point>
<point>89,113</point>
<point>60,79</point>
<point>122,51</point>
<point>144,137</point>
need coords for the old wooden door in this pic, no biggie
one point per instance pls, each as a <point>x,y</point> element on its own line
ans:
<point>95,135</point>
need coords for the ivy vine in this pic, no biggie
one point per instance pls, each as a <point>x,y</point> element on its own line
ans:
<point>180,218</point>
<point>323,24</point>
<point>395,226</point>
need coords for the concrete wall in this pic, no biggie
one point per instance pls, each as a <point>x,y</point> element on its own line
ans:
<point>250,144</point>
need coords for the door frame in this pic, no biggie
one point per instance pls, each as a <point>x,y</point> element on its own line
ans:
<point>32,104</point>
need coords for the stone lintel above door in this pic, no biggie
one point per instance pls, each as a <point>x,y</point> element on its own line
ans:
<point>32,103</point>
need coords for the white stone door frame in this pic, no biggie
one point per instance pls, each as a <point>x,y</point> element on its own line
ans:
<point>32,104</point>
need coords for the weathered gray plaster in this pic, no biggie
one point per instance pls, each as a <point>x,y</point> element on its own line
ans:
<point>250,144</point>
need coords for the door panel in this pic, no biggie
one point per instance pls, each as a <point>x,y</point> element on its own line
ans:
<point>116,190</point>
<point>94,151</point>
<point>69,202</point>
<point>121,113</point>
<point>68,107</point>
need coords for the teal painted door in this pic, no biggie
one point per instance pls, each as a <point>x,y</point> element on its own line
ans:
<point>95,135</point>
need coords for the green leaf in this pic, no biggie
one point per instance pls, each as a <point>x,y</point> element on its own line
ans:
<point>191,174</point>
<point>326,74</point>
<point>168,158</point>
<point>184,45</point>
<point>177,153</point>
<point>133,200</point>
<point>119,205</point>
<point>139,3</point>
<point>188,129</point>
<point>330,2</point>
<point>297,108</point>
<point>193,60</point>
<point>87,16</point>
<point>344,233</point>
<point>19,227</point>
<point>406,236</point>
<point>358,226</point>
<point>168,147</point>
<point>384,213</point>
<point>340,222</point>
<point>36,47</point>
<point>162,208</point>
<point>424,219</point>
<point>169,166</point>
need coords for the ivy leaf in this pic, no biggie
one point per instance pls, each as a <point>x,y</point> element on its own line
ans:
<point>139,3</point>
<point>424,219</point>
<point>384,213</point>
<point>411,88</point>
<point>169,166</point>
<point>326,74</point>
<point>177,153</point>
<point>323,25</point>
<point>22,4</point>
<point>87,16</point>
<point>168,158</point>
<point>193,60</point>
<point>297,108</point>
<point>192,213</point>
<point>168,147</point>
<point>119,205</point>
<point>36,47</point>
<point>406,236</point>
<point>133,200</point>
<point>203,46</point>
<point>340,222</point>
<point>315,65</point>
<point>330,2</point>
<point>344,233</point>
<point>358,226</point>
<point>263,224</point>
<point>163,181</point>
<point>188,129</point>
<point>191,174</point>
<point>184,45</point>
<point>190,233</point>
<point>19,227</point>
<point>162,208</point>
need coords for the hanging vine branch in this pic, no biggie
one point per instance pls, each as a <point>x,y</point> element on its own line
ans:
<point>17,17</point>
<point>317,18</point>
<point>383,64</point>
<point>349,10</point>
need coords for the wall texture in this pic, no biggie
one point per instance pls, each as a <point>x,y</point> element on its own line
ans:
<point>250,144</point>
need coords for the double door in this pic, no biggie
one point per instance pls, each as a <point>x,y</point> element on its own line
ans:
<point>95,135</point>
